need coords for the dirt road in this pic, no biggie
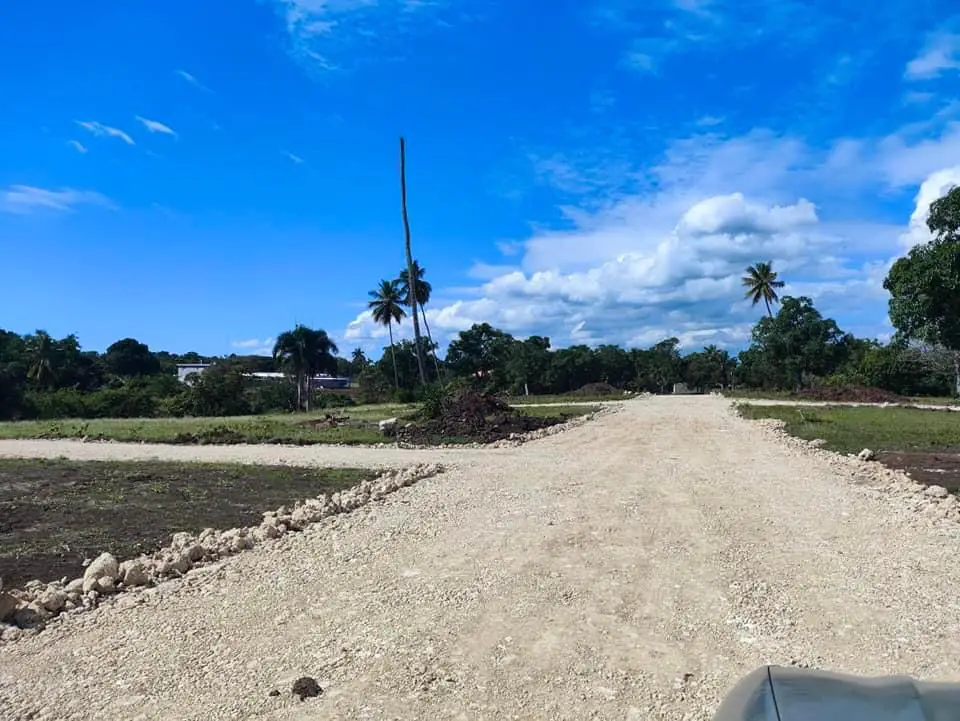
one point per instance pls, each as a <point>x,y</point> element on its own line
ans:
<point>630,569</point>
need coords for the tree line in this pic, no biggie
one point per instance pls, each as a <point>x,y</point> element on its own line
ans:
<point>793,348</point>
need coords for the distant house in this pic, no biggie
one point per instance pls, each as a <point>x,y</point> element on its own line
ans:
<point>320,381</point>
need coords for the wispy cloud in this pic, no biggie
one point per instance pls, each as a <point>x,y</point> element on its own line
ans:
<point>104,131</point>
<point>254,346</point>
<point>24,199</point>
<point>77,145</point>
<point>321,30</point>
<point>293,158</point>
<point>940,54</point>
<point>155,126</point>
<point>192,79</point>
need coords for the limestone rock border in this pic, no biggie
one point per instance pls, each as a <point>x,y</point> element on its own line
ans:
<point>932,503</point>
<point>27,610</point>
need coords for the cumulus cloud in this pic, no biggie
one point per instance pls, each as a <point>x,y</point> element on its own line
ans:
<point>24,199</point>
<point>940,54</point>
<point>931,189</point>
<point>667,259</point>
<point>104,131</point>
<point>155,126</point>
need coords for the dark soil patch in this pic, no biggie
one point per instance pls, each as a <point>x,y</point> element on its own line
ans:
<point>468,416</point>
<point>54,514</point>
<point>929,468</point>
<point>850,394</point>
<point>597,389</point>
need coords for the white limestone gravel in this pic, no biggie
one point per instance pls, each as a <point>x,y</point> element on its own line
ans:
<point>631,568</point>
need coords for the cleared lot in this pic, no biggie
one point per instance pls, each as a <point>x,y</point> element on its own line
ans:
<point>631,568</point>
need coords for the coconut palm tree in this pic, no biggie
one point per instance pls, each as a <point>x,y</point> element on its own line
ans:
<point>423,292</point>
<point>386,307</point>
<point>41,352</point>
<point>303,352</point>
<point>761,283</point>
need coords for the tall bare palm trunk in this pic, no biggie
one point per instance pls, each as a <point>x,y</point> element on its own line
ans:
<point>409,251</point>
<point>393,355</point>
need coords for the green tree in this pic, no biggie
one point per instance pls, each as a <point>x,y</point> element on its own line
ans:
<point>762,283</point>
<point>798,342</point>
<point>423,290</point>
<point>41,353</point>
<point>358,362</point>
<point>386,307</point>
<point>129,358</point>
<point>924,285</point>
<point>480,353</point>
<point>303,352</point>
<point>528,364</point>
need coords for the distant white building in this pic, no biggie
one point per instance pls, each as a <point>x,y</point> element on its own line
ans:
<point>320,381</point>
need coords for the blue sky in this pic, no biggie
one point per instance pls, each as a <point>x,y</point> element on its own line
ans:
<point>203,175</point>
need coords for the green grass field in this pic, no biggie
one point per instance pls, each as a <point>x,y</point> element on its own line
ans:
<point>851,429</point>
<point>355,426</point>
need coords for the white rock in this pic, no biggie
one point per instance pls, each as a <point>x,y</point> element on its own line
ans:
<point>103,566</point>
<point>866,455</point>
<point>54,600</point>
<point>387,426</point>
<point>135,574</point>
<point>936,492</point>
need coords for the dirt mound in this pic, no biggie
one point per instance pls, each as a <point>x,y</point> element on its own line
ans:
<point>597,389</point>
<point>327,420</point>
<point>850,394</point>
<point>465,415</point>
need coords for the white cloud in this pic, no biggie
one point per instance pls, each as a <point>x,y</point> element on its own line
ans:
<point>320,29</point>
<point>155,126</point>
<point>931,189</point>
<point>254,346</point>
<point>666,259</point>
<point>294,158</point>
<point>24,199</point>
<point>100,130</point>
<point>77,145</point>
<point>940,54</point>
<point>191,79</point>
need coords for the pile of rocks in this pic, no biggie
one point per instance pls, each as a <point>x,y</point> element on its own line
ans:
<point>27,610</point>
<point>932,503</point>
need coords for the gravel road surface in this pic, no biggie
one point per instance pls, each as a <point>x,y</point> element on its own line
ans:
<point>630,569</point>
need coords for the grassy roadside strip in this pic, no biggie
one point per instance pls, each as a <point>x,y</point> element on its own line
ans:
<point>353,426</point>
<point>847,429</point>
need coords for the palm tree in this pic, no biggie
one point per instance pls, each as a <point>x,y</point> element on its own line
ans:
<point>409,253</point>
<point>423,291</point>
<point>762,284</point>
<point>41,351</point>
<point>386,306</point>
<point>304,352</point>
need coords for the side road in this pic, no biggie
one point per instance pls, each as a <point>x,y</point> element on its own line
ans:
<point>632,568</point>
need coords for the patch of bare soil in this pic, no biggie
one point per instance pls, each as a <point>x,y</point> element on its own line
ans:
<point>56,513</point>
<point>468,416</point>
<point>850,394</point>
<point>928,468</point>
